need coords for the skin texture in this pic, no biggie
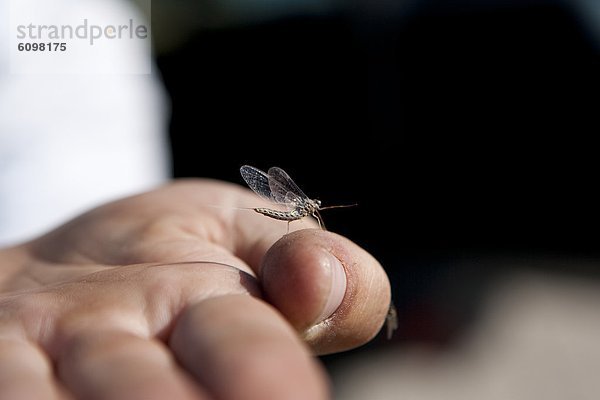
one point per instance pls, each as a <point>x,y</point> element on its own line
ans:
<point>179,294</point>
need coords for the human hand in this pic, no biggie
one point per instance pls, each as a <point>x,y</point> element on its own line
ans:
<point>165,296</point>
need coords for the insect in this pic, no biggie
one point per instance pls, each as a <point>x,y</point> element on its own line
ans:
<point>391,320</point>
<point>277,187</point>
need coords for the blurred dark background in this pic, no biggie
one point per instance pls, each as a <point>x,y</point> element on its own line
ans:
<point>464,130</point>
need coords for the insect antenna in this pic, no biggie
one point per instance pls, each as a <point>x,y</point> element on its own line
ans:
<point>339,206</point>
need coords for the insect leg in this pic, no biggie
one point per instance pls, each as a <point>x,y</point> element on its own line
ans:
<point>319,220</point>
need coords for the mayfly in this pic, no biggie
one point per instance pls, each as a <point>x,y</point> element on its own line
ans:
<point>277,187</point>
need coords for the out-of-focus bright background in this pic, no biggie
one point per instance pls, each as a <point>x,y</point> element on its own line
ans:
<point>465,132</point>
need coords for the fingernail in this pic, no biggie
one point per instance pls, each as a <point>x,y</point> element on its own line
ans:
<point>337,289</point>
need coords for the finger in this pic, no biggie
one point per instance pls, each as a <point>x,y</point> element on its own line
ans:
<point>330,289</point>
<point>119,365</point>
<point>207,212</point>
<point>229,218</point>
<point>238,347</point>
<point>26,373</point>
<point>189,220</point>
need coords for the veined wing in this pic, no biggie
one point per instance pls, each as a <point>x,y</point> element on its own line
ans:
<point>257,180</point>
<point>283,188</point>
<point>266,187</point>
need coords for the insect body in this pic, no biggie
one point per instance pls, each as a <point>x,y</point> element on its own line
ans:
<point>277,187</point>
<point>293,215</point>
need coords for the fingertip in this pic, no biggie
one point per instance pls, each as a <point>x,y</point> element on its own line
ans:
<point>332,291</point>
<point>297,275</point>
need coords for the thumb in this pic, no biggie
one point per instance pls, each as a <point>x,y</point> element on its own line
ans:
<point>329,289</point>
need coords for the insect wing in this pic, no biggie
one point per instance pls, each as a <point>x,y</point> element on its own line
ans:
<point>292,200</point>
<point>258,181</point>
<point>283,188</point>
